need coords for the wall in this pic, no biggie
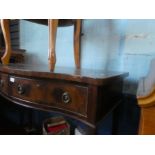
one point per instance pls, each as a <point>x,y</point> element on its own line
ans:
<point>120,45</point>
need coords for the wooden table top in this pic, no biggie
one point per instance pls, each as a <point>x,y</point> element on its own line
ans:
<point>89,76</point>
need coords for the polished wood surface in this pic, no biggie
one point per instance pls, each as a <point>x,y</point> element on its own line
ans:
<point>96,77</point>
<point>77,33</point>
<point>6,33</point>
<point>53,24</point>
<point>146,101</point>
<point>147,121</point>
<point>85,95</point>
<point>61,95</point>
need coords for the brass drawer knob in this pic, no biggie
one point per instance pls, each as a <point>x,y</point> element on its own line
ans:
<point>66,97</point>
<point>20,89</point>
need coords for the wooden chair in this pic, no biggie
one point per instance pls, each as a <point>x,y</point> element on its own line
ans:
<point>146,101</point>
<point>53,24</point>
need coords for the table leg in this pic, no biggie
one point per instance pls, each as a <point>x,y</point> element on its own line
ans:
<point>53,24</point>
<point>6,33</point>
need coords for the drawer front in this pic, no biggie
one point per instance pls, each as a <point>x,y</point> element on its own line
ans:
<point>4,83</point>
<point>57,94</point>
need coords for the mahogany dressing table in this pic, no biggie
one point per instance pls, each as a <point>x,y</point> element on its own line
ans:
<point>85,95</point>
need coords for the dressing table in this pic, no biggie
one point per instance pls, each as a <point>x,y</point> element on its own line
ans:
<point>85,95</point>
<point>82,94</point>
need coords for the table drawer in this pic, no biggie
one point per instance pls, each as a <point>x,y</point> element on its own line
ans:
<point>57,94</point>
<point>4,83</point>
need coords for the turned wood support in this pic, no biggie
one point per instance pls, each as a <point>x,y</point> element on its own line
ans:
<point>6,33</point>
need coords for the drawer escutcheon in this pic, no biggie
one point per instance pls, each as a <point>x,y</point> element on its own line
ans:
<point>66,97</point>
<point>20,89</point>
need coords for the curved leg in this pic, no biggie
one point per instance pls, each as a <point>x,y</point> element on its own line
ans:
<point>53,24</point>
<point>6,33</point>
<point>77,31</point>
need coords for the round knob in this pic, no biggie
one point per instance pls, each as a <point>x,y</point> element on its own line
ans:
<point>1,83</point>
<point>65,97</point>
<point>20,89</point>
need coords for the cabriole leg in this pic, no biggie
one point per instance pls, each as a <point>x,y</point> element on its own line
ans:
<point>53,24</point>
<point>6,33</point>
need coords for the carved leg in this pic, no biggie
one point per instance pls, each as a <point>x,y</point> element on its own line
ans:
<point>53,24</point>
<point>77,31</point>
<point>6,33</point>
